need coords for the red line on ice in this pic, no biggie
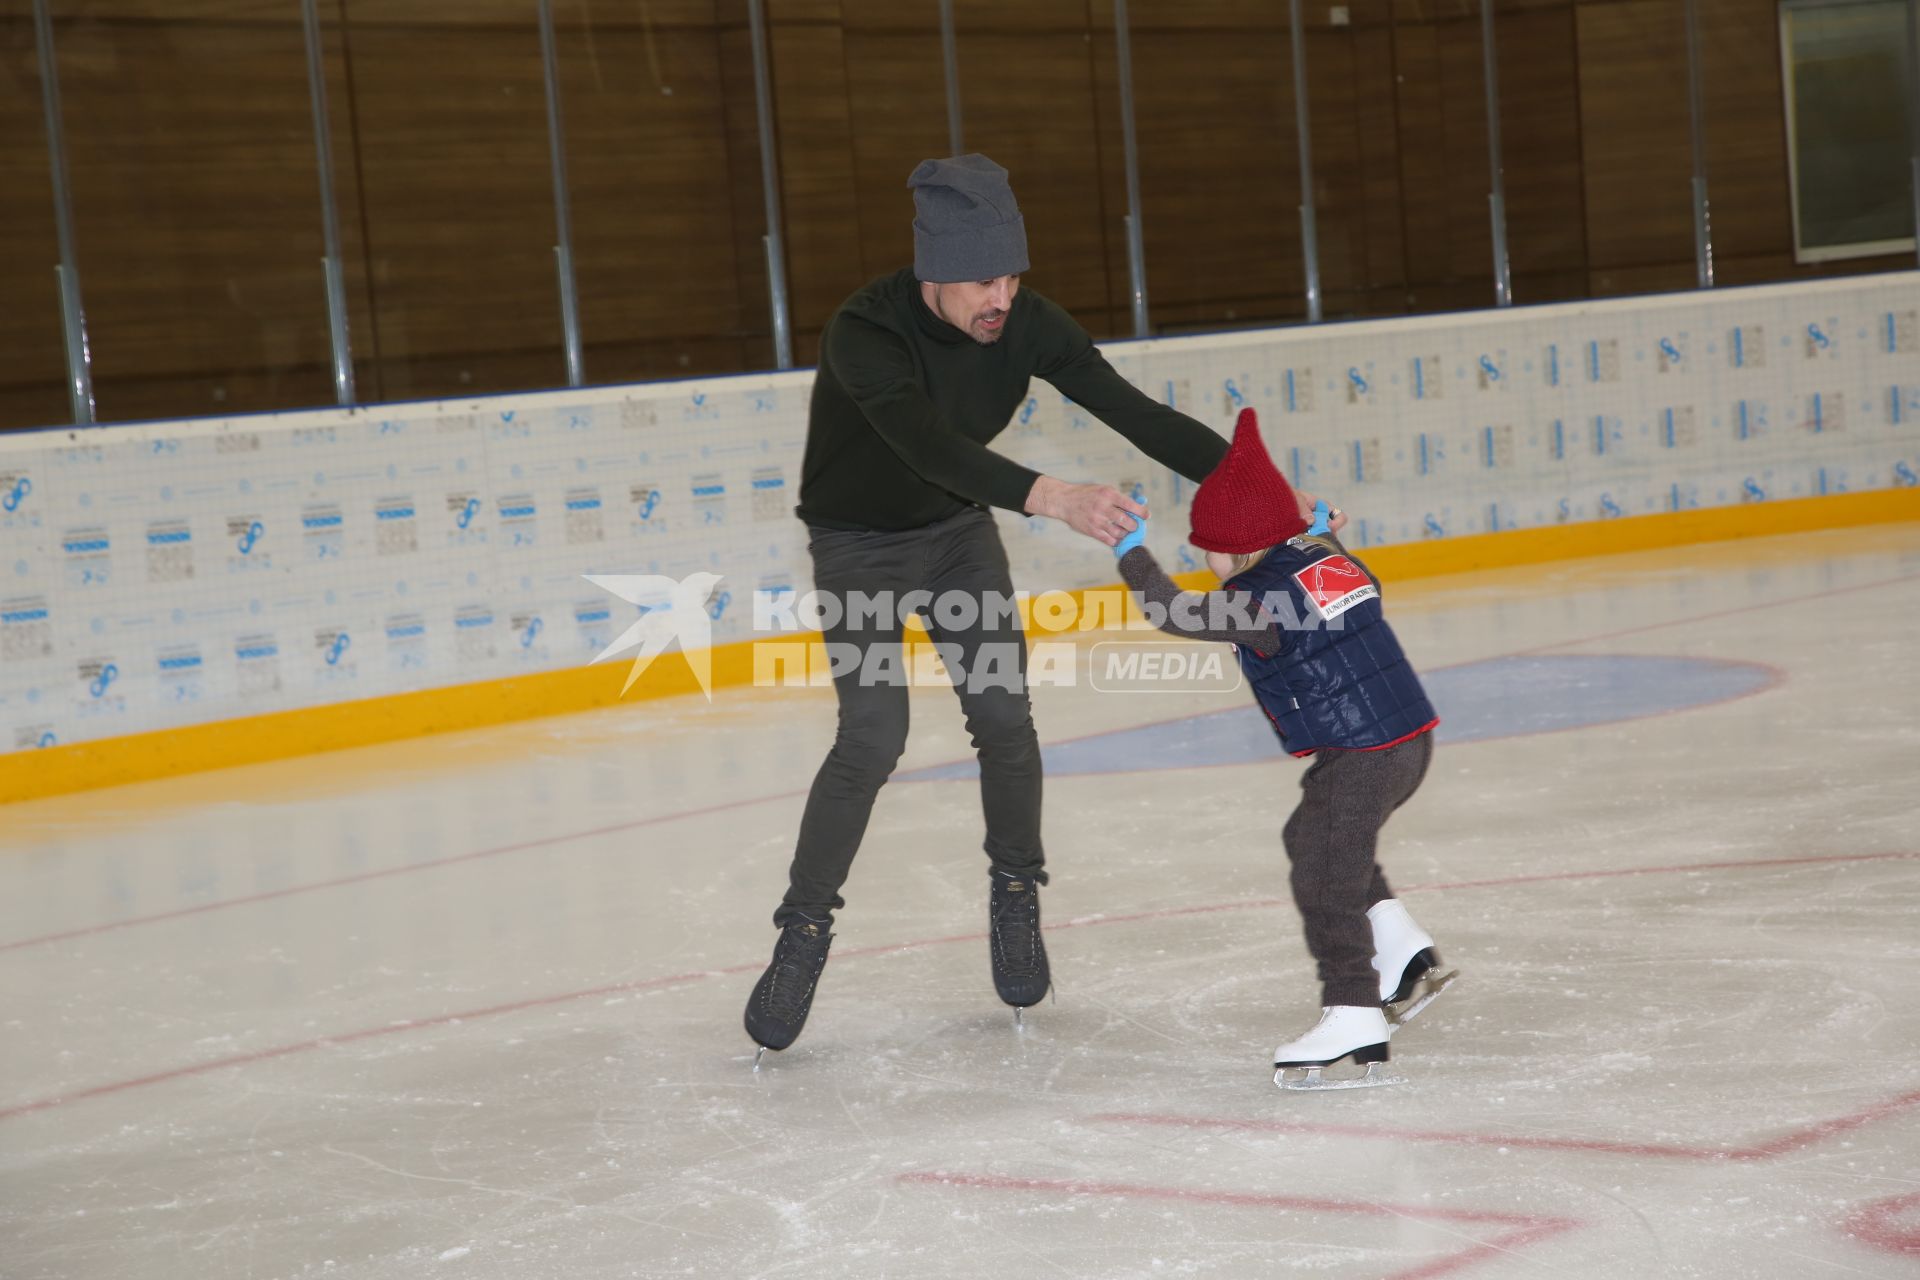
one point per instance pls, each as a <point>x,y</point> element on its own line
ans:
<point>1525,1228</point>
<point>893,948</point>
<point>546,841</point>
<point>1768,1150</point>
<point>386,872</point>
<point>1874,1224</point>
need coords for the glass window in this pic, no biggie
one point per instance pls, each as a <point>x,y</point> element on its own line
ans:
<point>1847,123</point>
<point>196,227</point>
<point>33,359</point>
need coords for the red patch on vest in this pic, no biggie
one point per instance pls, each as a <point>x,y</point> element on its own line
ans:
<point>1335,585</point>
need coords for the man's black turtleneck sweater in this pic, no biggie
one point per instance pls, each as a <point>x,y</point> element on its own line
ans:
<point>905,404</point>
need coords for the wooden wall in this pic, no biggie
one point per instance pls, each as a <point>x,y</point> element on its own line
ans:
<point>198,236</point>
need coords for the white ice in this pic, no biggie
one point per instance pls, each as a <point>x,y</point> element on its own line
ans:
<point>470,1005</point>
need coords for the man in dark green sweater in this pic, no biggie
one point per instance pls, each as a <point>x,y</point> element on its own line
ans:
<point>919,371</point>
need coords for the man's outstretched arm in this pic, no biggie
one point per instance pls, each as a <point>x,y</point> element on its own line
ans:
<point>1075,366</point>
<point>878,374</point>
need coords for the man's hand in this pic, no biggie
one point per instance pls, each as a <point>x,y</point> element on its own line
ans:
<point>1100,511</point>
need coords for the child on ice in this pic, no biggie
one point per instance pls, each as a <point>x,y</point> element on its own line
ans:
<point>1326,668</point>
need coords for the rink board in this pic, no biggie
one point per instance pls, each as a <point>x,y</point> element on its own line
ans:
<point>187,595</point>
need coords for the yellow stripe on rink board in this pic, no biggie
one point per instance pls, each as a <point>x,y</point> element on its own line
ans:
<point>1641,533</point>
<point>141,757</point>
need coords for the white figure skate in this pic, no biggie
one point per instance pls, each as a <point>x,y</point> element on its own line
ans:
<point>1344,1031</point>
<point>1408,966</point>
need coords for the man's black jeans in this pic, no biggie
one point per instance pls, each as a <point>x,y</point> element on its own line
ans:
<point>961,554</point>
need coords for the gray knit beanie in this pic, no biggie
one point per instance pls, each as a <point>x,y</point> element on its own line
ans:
<point>967,226</point>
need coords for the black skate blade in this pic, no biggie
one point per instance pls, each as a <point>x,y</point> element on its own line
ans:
<point>1424,991</point>
<point>1423,963</point>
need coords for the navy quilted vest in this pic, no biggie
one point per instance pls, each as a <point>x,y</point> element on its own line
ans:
<point>1340,679</point>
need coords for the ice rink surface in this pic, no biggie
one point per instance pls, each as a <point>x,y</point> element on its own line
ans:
<point>469,1006</point>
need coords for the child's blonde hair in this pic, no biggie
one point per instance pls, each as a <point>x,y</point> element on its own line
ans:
<point>1245,560</point>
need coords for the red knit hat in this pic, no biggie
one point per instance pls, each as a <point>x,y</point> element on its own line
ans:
<point>1245,504</point>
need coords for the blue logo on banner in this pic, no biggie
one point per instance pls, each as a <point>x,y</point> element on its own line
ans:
<point>1671,352</point>
<point>1751,491</point>
<point>652,501</point>
<point>1608,507</point>
<point>468,512</point>
<point>104,681</point>
<point>527,637</point>
<point>1819,339</point>
<point>1234,395</point>
<point>251,538</point>
<point>1488,367</point>
<point>1359,383</point>
<point>17,495</point>
<point>719,605</point>
<point>1031,407</point>
<point>1187,563</point>
<point>338,649</point>
<point>47,739</point>
<point>1903,475</point>
<point>1433,527</point>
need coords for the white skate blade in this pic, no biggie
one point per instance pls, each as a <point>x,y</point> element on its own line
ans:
<point>1309,1079</point>
<point>1425,991</point>
<point>758,1054</point>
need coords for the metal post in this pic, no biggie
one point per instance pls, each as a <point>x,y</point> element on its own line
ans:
<point>330,266</point>
<point>770,183</point>
<point>1309,225</point>
<point>562,212</point>
<point>73,316</point>
<point>1696,113</point>
<point>950,58</point>
<point>1497,193</point>
<point>1136,241</point>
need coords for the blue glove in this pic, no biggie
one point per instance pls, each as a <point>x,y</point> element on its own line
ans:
<point>1133,539</point>
<point>1319,524</point>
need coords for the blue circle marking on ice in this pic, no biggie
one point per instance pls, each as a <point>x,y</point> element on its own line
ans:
<point>1497,698</point>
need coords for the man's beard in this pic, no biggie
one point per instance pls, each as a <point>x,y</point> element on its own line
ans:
<point>987,336</point>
